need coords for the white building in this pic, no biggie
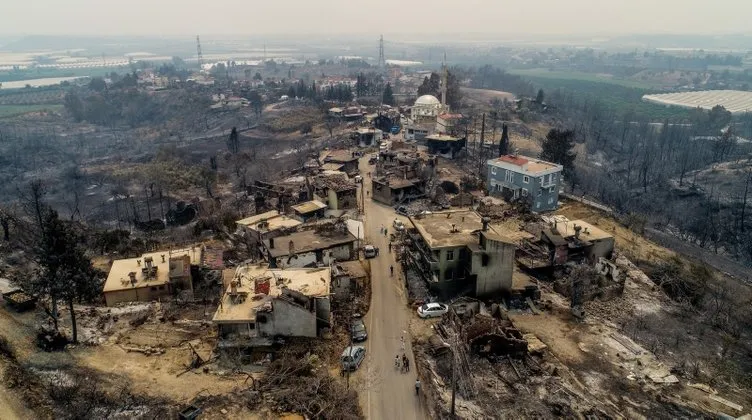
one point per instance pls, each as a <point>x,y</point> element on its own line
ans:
<point>426,109</point>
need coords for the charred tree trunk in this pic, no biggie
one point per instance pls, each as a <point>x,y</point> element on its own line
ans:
<point>74,327</point>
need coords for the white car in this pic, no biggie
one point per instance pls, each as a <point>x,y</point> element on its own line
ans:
<point>431,310</point>
<point>398,225</point>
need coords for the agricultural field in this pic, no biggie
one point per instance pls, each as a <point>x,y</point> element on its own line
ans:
<point>582,76</point>
<point>14,110</point>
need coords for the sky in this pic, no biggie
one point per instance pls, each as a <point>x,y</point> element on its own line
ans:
<point>320,17</point>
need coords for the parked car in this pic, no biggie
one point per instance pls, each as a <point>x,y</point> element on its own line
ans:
<point>398,225</point>
<point>370,251</point>
<point>432,310</point>
<point>401,210</point>
<point>352,357</point>
<point>358,330</point>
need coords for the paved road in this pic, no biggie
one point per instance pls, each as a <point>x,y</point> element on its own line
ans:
<point>385,393</point>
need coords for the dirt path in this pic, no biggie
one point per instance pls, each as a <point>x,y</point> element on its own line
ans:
<point>386,393</point>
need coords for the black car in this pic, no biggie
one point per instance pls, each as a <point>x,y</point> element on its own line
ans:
<point>358,330</point>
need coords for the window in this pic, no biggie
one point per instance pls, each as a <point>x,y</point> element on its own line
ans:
<point>551,189</point>
<point>540,191</point>
<point>161,287</point>
<point>484,260</point>
<point>524,192</point>
<point>450,255</point>
<point>550,200</point>
<point>153,289</point>
<point>537,204</point>
<point>508,176</point>
<point>525,179</point>
<point>493,170</point>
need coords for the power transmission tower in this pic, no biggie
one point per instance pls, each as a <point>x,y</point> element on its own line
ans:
<point>198,53</point>
<point>382,61</point>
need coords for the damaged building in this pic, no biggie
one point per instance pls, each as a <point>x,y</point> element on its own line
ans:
<point>398,177</point>
<point>309,210</point>
<point>152,276</point>
<point>458,252</point>
<point>558,241</point>
<point>261,304</point>
<point>536,181</point>
<point>336,190</point>
<point>310,248</point>
<point>267,225</point>
<point>346,158</point>
<point>445,145</point>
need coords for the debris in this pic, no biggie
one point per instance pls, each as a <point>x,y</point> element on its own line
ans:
<point>534,344</point>
<point>532,306</point>
<point>726,402</point>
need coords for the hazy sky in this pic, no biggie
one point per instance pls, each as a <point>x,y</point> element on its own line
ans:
<point>246,17</point>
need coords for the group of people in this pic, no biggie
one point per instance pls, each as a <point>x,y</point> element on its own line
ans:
<point>402,363</point>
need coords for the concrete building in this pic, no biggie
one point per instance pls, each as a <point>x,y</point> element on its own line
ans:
<point>518,177</point>
<point>314,209</point>
<point>309,248</point>
<point>367,137</point>
<point>559,241</point>
<point>445,145</point>
<point>268,225</point>
<point>447,123</point>
<point>458,252</point>
<point>336,190</point>
<point>346,158</point>
<point>152,276</point>
<point>392,189</point>
<point>418,131</point>
<point>261,304</point>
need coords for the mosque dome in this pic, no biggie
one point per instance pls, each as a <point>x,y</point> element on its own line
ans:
<point>427,100</point>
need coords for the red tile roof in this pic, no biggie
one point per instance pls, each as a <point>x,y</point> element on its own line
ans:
<point>515,160</point>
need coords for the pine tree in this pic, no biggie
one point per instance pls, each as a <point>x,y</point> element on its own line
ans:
<point>557,148</point>
<point>388,97</point>
<point>541,96</point>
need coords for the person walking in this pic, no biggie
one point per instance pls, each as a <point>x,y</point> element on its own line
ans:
<point>397,362</point>
<point>402,339</point>
<point>390,246</point>
<point>417,386</point>
<point>391,272</point>
<point>406,362</point>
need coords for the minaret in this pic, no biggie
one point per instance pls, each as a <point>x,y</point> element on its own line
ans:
<point>444,81</point>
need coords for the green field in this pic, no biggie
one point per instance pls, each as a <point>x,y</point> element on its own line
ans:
<point>14,110</point>
<point>581,76</point>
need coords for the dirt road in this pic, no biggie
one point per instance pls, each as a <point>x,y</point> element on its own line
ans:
<point>385,393</point>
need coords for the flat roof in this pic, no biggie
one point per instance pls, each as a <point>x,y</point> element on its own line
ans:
<point>119,279</point>
<point>436,227</point>
<point>395,182</point>
<point>588,232</point>
<point>442,137</point>
<point>354,269</point>
<point>332,166</point>
<point>306,241</point>
<point>273,218</point>
<point>339,156</point>
<point>252,220</point>
<point>312,282</point>
<point>309,206</point>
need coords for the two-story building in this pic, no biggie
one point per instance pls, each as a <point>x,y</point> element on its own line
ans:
<point>309,248</point>
<point>458,252</point>
<point>152,276</point>
<point>515,177</point>
<point>261,304</point>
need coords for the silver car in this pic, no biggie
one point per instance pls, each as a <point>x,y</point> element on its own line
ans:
<point>352,357</point>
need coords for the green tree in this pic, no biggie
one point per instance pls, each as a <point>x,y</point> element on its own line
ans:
<point>64,271</point>
<point>233,142</point>
<point>97,84</point>
<point>388,97</point>
<point>557,148</point>
<point>541,96</point>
